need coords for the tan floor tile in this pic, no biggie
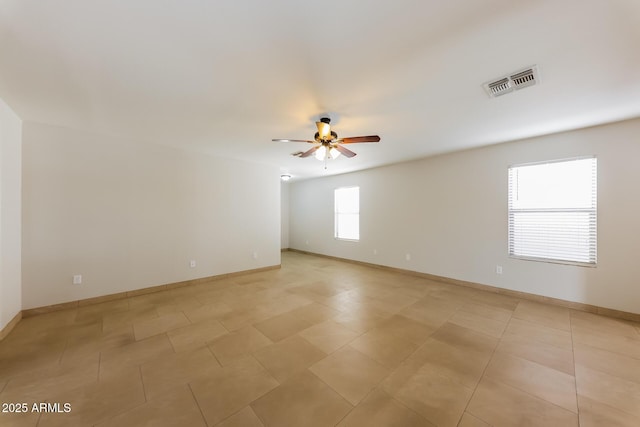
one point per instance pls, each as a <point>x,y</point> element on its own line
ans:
<point>504,302</point>
<point>464,338</point>
<point>387,350</point>
<point>95,312</point>
<point>236,344</point>
<point>538,334</point>
<point>596,414</point>
<point>241,318</point>
<point>180,303</point>
<point>192,337</point>
<point>206,312</point>
<point>167,372</point>
<point>114,321</point>
<point>430,315</point>
<point>314,313</point>
<point>227,390</point>
<point>177,408</point>
<point>98,401</point>
<point>462,365</point>
<point>19,358</point>
<point>381,410</point>
<point>281,326</point>
<point>78,350</point>
<point>167,322</point>
<point>325,289</point>
<point>288,357</point>
<point>280,304</point>
<point>329,336</point>
<point>243,418</point>
<point>488,311</point>
<point>446,298</point>
<point>553,386</point>
<point>606,325</point>
<point>347,301</point>
<point>361,320</point>
<point>19,419</point>
<point>432,338</point>
<point>612,391</point>
<point>407,369</point>
<point>207,296</point>
<point>469,420</point>
<point>544,314</point>
<point>478,323</point>
<point>303,400</point>
<point>349,372</point>
<point>32,326</point>
<point>393,302</point>
<point>405,328</point>
<point>436,397</point>
<point>40,385</point>
<point>135,354</point>
<point>615,364</point>
<point>78,332</point>
<point>551,356</point>
<point>614,343</point>
<point>501,405</point>
<point>153,299</point>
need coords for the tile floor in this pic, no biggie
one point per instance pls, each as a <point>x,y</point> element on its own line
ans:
<point>323,343</point>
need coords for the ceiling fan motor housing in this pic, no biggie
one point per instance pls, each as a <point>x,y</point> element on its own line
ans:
<point>333,136</point>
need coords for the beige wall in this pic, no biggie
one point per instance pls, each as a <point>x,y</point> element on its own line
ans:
<point>127,215</point>
<point>450,214</point>
<point>10,221</point>
<point>284,215</point>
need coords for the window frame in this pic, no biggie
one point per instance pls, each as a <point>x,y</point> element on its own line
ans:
<point>336,213</point>
<point>592,210</point>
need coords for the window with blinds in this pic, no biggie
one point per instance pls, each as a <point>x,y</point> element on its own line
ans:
<point>347,213</point>
<point>553,211</point>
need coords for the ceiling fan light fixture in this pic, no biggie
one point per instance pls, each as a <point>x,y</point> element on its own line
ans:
<point>285,177</point>
<point>334,153</point>
<point>321,153</point>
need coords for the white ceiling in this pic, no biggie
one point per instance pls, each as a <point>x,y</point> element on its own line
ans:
<point>226,77</point>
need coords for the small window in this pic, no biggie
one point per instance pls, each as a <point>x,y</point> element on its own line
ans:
<point>347,213</point>
<point>552,211</point>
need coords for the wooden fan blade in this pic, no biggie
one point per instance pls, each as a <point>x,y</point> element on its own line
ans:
<point>354,139</point>
<point>310,152</point>
<point>293,140</point>
<point>344,151</point>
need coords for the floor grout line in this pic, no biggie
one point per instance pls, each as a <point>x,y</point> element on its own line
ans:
<point>484,371</point>
<point>197,404</point>
<point>575,372</point>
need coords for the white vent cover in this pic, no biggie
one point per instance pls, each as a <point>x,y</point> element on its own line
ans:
<point>514,81</point>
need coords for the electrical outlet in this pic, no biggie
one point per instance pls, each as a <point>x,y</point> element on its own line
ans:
<point>192,263</point>
<point>407,257</point>
<point>375,252</point>
<point>255,255</point>
<point>498,269</point>
<point>77,279</point>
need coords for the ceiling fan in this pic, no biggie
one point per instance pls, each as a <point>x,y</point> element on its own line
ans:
<point>328,145</point>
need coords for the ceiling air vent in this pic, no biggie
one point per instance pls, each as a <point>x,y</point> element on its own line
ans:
<point>514,81</point>
<point>499,87</point>
<point>524,78</point>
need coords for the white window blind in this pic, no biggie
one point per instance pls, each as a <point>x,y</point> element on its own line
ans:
<point>553,211</point>
<point>347,213</point>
